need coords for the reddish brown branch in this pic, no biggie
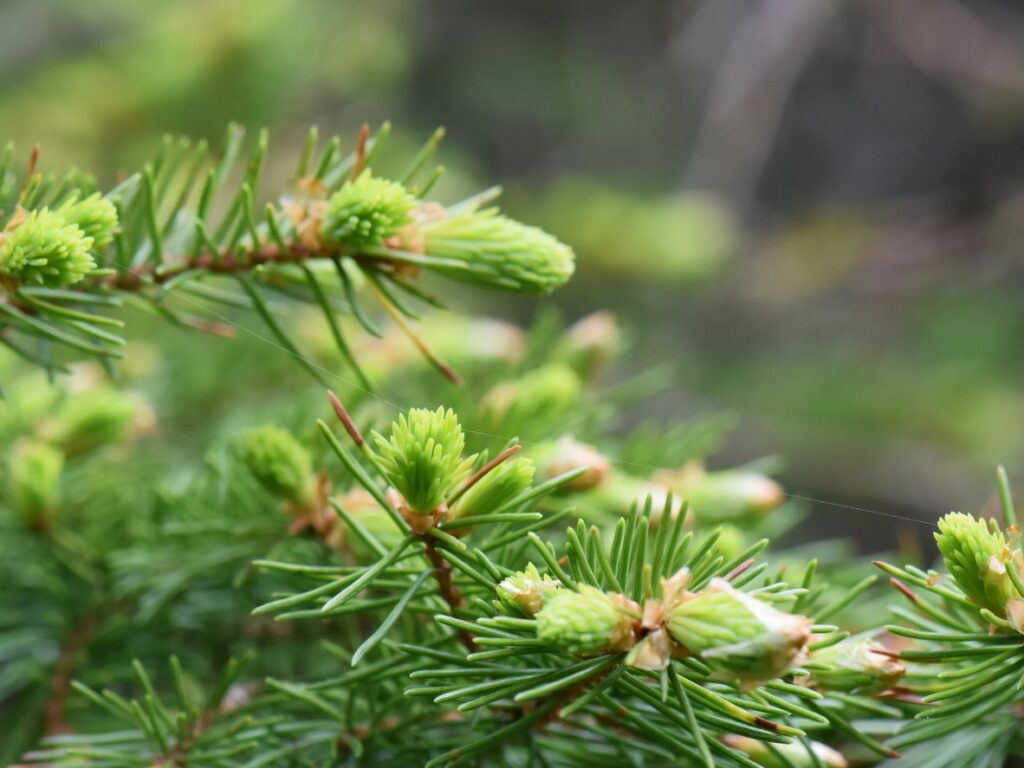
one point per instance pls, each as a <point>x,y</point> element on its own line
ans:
<point>63,672</point>
<point>226,263</point>
<point>449,592</point>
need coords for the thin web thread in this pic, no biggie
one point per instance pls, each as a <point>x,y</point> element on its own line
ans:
<point>505,438</point>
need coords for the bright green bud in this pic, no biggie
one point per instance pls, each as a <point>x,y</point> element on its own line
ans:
<point>790,755</point>
<point>584,622</point>
<point>499,251</point>
<point>95,216</point>
<point>500,485</point>
<point>33,479</point>
<point>731,541</point>
<point>976,556</point>
<point>591,343</point>
<point>46,250</point>
<point>90,419</point>
<point>567,454</point>
<point>366,211</point>
<point>423,457</point>
<point>745,639</point>
<point>855,665</point>
<point>545,393</point>
<point>528,590</point>
<point>280,464</point>
<point>732,495</point>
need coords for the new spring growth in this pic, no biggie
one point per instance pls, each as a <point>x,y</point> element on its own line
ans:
<point>541,394</point>
<point>591,343</point>
<point>33,480</point>
<point>727,495</point>
<point>567,454</point>
<point>858,664</point>
<point>791,755</point>
<point>977,556</point>
<point>366,212</point>
<point>504,482</point>
<point>44,249</point>
<point>587,621</point>
<point>54,248</point>
<point>743,638</point>
<point>94,418</point>
<point>94,215</point>
<point>280,464</point>
<point>422,459</point>
<point>528,590</point>
<point>498,251</point>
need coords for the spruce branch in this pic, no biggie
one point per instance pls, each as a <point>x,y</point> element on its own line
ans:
<point>67,251</point>
<point>963,644</point>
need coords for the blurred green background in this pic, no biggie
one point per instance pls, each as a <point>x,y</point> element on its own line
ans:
<point>810,213</point>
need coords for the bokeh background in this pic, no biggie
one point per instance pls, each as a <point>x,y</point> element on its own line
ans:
<point>808,213</point>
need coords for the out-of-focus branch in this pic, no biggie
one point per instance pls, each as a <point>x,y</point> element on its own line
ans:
<point>765,56</point>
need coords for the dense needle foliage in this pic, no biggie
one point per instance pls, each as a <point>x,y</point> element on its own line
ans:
<point>499,574</point>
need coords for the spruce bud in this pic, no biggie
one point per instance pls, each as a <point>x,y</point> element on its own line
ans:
<point>95,216</point>
<point>584,622</point>
<point>500,485</point>
<point>746,639</point>
<point>855,665</point>
<point>977,557</point>
<point>423,457</point>
<point>790,755</point>
<point>544,393</point>
<point>91,419</point>
<point>280,464</point>
<point>528,590</point>
<point>568,454</point>
<point>498,251</point>
<point>366,211</point>
<point>731,495</point>
<point>591,343</point>
<point>46,250</point>
<point>33,480</point>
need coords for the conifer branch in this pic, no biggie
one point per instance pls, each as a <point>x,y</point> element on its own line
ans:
<point>66,250</point>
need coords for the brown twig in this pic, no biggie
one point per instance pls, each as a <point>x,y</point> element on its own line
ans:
<point>225,263</point>
<point>63,671</point>
<point>449,592</point>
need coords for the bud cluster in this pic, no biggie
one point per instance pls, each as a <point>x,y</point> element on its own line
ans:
<point>55,248</point>
<point>744,639</point>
